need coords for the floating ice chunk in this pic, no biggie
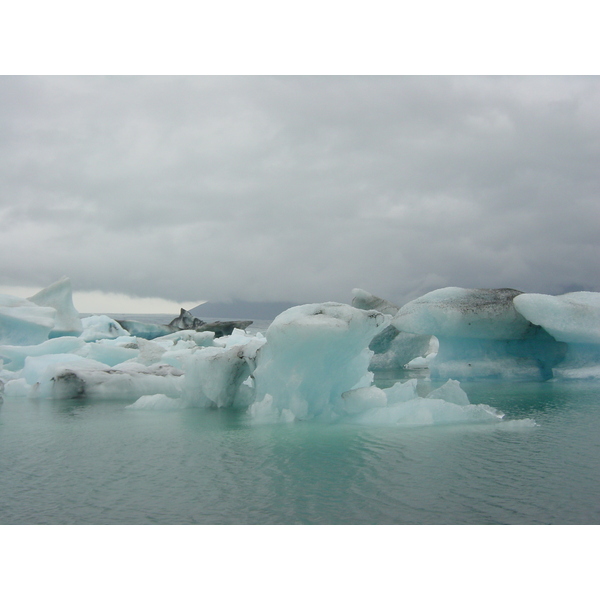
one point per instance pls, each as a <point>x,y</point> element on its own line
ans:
<point>200,338</point>
<point>214,374</point>
<point>176,355</point>
<point>400,405</point>
<point>465,313</point>
<point>24,323</point>
<point>129,381</point>
<point>481,335</point>
<point>158,402</point>
<point>421,362</point>
<point>314,353</point>
<point>366,301</point>
<point>56,376</point>
<point>149,352</point>
<point>99,327</point>
<point>186,320</point>
<point>399,351</point>
<point>109,354</point>
<point>401,392</point>
<point>14,356</point>
<point>59,296</point>
<point>17,388</point>
<point>572,318</point>
<point>148,331</point>
<point>181,344</point>
<point>361,399</point>
<point>428,411</point>
<point>8,301</point>
<point>37,368</point>
<point>451,392</point>
<point>238,337</point>
<point>266,411</point>
<point>393,349</point>
<point>223,328</point>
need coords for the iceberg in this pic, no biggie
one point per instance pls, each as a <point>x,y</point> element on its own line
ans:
<point>223,328</point>
<point>49,313</point>
<point>454,312</point>
<point>111,352</point>
<point>92,380</point>
<point>101,327</point>
<point>14,356</point>
<point>158,402</point>
<point>402,350</point>
<point>366,301</point>
<point>313,354</point>
<point>186,320</point>
<point>24,323</point>
<point>393,349</point>
<point>215,376</point>
<point>573,320</point>
<point>315,362</point>
<point>481,335</point>
<point>148,331</point>
<point>401,406</point>
<point>59,296</point>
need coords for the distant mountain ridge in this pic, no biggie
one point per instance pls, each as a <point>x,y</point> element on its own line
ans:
<point>240,310</point>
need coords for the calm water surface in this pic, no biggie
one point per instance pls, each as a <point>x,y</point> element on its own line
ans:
<point>98,463</point>
<point>72,462</point>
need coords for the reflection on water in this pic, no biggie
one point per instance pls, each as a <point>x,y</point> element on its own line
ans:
<point>78,462</point>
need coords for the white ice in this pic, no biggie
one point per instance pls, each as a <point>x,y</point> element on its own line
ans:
<point>215,376</point>
<point>24,323</point>
<point>158,402</point>
<point>49,313</point>
<point>572,319</point>
<point>59,296</point>
<point>14,356</point>
<point>313,354</point>
<point>101,327</point>
<point>316,360</point>
<point>480,335</point>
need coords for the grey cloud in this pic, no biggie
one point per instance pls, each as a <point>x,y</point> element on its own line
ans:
<point>299,188</point>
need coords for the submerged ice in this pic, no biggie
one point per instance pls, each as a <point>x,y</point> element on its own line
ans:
<point>315,361</point>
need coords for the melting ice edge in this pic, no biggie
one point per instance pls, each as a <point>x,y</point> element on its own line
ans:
<point>316,361</point>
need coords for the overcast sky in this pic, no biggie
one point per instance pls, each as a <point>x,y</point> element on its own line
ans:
<point>299,188</point>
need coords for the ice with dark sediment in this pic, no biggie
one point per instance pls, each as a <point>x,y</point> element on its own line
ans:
<point>101,327</point>
<point>481,335</point>
<point>184,322</point>
<point>315,366</point>
<point>315,361</point>
<point>392,349</point>
<point>148,331</point>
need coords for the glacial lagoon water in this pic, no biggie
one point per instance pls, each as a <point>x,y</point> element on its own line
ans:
<point>78,462</point>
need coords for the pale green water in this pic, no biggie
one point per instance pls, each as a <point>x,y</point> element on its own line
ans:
<point>72,462</point>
